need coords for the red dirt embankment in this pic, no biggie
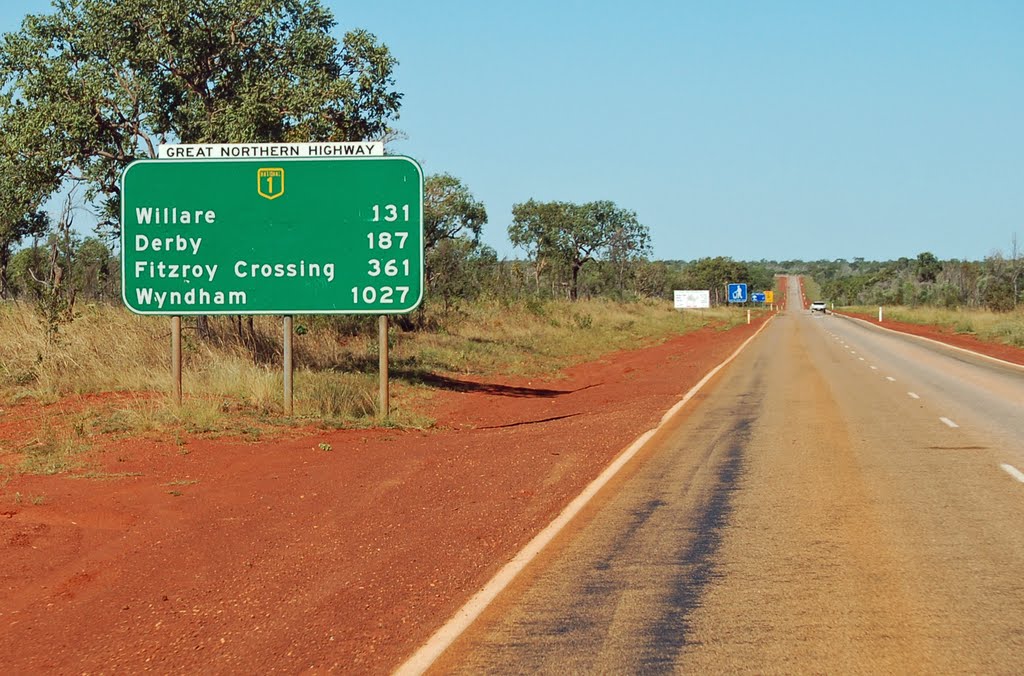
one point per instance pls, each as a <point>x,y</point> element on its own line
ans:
<point>948,335</point>
<point>226,556</point>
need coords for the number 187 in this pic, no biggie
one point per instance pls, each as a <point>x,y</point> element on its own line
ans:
<point>386,240</point>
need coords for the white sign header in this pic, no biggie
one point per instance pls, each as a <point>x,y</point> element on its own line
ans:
<point>238,151</point>
<point>689,300</point>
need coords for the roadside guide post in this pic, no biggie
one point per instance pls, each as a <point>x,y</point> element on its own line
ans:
<point>282,234</point>
<point>879,314</point>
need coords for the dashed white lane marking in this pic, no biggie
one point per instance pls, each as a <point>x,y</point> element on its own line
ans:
<point>948,422</point>
<point>890,379</point>
<point>861,358</point>
<point>874,368</point>
<point>912,395</point>
<point>1014,472</point>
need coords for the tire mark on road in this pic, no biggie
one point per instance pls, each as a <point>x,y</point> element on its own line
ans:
<point>697,561</point>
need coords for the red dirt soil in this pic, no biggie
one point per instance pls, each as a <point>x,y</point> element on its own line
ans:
<point>227,556</point>
<point>949,336</point>
<point>943,334</point>
<point>235,557</point>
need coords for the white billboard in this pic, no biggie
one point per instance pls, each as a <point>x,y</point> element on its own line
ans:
<point>689,300</point>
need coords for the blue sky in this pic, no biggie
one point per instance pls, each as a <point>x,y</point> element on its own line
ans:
<point>776,130</point>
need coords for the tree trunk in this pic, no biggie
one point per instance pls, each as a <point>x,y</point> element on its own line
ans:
<point>203,326</point>
<point>4,256</point>
<point>250,324</point>
<point>574,287</point>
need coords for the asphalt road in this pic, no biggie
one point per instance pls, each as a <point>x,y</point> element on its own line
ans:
<point>839,500</point>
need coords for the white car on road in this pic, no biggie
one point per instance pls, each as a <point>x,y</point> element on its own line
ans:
<point>819,306</point>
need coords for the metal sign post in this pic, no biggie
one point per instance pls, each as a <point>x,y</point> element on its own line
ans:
<point>385,390</point>
<point>287,365</point>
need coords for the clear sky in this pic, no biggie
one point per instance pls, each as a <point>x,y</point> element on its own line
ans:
<point>775,130</point>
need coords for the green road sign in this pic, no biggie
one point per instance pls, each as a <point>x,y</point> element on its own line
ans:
<point>272,236</point>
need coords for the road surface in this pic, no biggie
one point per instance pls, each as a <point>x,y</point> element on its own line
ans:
<point>840,499</point>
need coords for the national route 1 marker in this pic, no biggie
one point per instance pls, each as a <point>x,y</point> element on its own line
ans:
<point>272,236</point>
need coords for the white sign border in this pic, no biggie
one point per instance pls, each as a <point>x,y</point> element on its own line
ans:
<point>263,151</point>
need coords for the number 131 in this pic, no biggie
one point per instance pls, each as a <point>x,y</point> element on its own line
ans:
<point>390,212</point>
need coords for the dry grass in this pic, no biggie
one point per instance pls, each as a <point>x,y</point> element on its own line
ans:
<point>104,350</point>
<point>57,450</point>
<point>537,337</point>
<point>999,327</point>
<point>811,289</point>
<point>233,383</point>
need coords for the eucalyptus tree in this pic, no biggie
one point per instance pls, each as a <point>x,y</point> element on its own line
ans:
<point>95,84</point>
<point>575,234</point>
<point>21,215</point>
<point>453,219</point>
<point>714,274</point>
<point>450,211</point>
<point>33,225</point>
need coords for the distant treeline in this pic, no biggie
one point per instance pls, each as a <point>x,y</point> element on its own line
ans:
<point>463,269</point>
<point>993,283</point>
<point>459,270</point>
<point>90,270</point>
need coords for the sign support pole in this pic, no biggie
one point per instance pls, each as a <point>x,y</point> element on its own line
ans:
<point>385,394</point>
<point>176,358</point>
<point>288,365</point>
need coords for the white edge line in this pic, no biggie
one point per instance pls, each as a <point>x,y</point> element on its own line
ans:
<point>930,340</point>
<point>1014,472</point>
<point>949,423</point>
<point>435,646</point>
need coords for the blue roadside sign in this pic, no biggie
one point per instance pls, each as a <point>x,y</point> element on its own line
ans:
<point>758,297</point>
<point>737,293</point>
